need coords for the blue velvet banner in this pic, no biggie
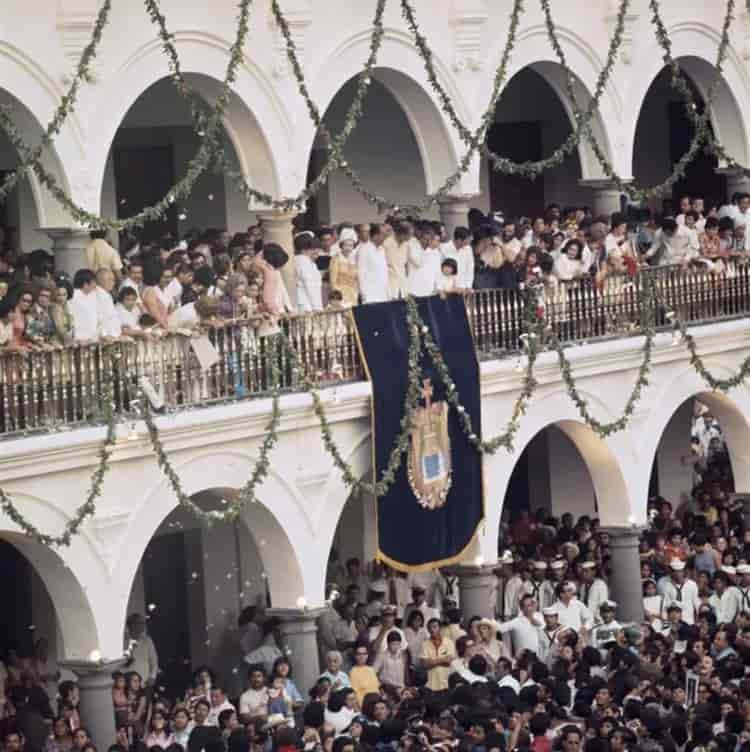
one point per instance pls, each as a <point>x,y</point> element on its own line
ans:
<point>410,536</point>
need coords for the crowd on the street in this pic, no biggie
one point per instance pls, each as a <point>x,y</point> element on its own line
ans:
<point>550,664</point>
<point>146,290</point>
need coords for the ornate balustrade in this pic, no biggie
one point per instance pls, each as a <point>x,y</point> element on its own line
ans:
<point>58,389</point>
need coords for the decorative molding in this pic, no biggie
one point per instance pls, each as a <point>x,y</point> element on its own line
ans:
<point>469,17</point>
<point>298,14</point>
<point>626,48</point>
<point>744,31</point>
<point>75,21</point>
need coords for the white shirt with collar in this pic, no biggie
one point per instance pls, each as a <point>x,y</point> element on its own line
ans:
<point>372,268</point>
<point>85,310</point>
<point>109,321</point>
<point>423,269</point>
<point>309,285</point>
<point>575,615</point>
<point>525,633</point>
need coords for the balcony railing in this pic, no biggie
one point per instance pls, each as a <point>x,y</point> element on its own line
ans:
<point>57,389</point>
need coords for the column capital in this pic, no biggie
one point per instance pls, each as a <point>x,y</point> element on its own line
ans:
<point>69,247</point>
<point>276,216</point>
<point>474,573</point>
<point>91,672</point>
<point>623,535</point>
<point>602,184</point>
<point>730,172</point>
<point>458,198</point>
<point>297,620</point>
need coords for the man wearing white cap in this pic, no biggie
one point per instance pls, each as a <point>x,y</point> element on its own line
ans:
<point>549,634</point>
<point>508,589</point>
<point>539,587</point>
<point>743,571</point>
<point>726,601</point>
<point>558,569</point>
<point>594,591</point>
<point>682,590</point>
<point>571,612</point>
<point>608,627</point>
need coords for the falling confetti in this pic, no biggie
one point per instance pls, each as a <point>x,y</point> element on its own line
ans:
<point>152,607</point>
<point>194,575</point>
<point>229,575</point>
<point>32,627</point>
<point>210,196</point>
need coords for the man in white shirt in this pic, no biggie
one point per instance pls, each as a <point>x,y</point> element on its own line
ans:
<point>679,589</point>
<point>419,603</point>
<point>540,587</point>
<point>571,612</point>
<point>183,277</point>
<point>109,321</point>
<point>742,216</point>
<point>525,629</point>
<point>423,266</point>
<point>84,307</point>
<point>508,589</point>
<point>219,704</point>
<point>726,601</point>
<point>462,253</point>
<point>378,635</point>
<point>254,701</point>
<point>134,279</point>
<point>594,590</point>
<point>673,244</point>
<point>309,281</point>
<point>143,656</point>
<point>372,267</point>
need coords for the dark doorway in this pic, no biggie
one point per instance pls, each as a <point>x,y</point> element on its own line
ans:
<point>143,176</point>
<point>515,195</point>
<point>165,581</point>
<point>16,615</point>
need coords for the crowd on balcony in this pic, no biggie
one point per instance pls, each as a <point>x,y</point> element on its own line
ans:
<point>550,665</point>
<point>145,291</point>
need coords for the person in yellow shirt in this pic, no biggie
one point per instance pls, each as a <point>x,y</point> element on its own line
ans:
<point>363,677</point>
<point>437,654</point>
<point>101,255</point>
<point>343,273</point>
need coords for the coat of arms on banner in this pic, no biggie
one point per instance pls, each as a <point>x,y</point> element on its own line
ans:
<point>429,467</point>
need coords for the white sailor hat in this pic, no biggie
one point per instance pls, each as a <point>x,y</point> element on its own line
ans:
<point>539,565</point>
<point>506,558</point>
<point>608,606</point>
<point>743,569</point>
<point>728,570</point>
<point>570,586</point>
<point>677,565</point>
<point>558,564</point>
<point>588,565</point>
<point>549,611</point>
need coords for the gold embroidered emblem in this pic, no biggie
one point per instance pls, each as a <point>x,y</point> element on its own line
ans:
<point>429,466</point>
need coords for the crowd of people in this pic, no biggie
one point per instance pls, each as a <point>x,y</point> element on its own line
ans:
<point>550,665</point>
<point>144,291</point>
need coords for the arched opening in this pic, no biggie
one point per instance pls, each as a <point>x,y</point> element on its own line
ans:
<point>45,609</point>
<point>153,146</point>
<point>550,475</point>
<point>400,149</point>
<point>28,206</point>
<point>533,118</point>
<point>700,457</point>
<point>664,133</point>
<point>193,582</point>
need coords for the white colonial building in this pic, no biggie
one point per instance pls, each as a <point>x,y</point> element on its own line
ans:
<point>130,137</point>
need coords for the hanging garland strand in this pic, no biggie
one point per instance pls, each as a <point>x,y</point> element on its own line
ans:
<point>401,443</point>
<point>681,85</point>
<point>647,309</point>
<point>247,494</point>
<point>477,141</point>
<point>534,328</point>
<point>88,508</point>
<point>335,145</point>
<point>196,167</point>
<point>64,108</point>
<point>382,203</point>
<point>701,122</point>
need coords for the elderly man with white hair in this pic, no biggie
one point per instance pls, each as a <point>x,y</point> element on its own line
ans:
<point>338,678</point>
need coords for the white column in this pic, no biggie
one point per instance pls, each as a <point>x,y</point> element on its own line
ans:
<point>625,586</point>
<point>454,212</point>
<point>299,635</point>
<point>277,228</point>
<point>477,590</point>
<point>606,197</point>
<point>95,685</point>
<point>69,247</point>
<point>737,182</point>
